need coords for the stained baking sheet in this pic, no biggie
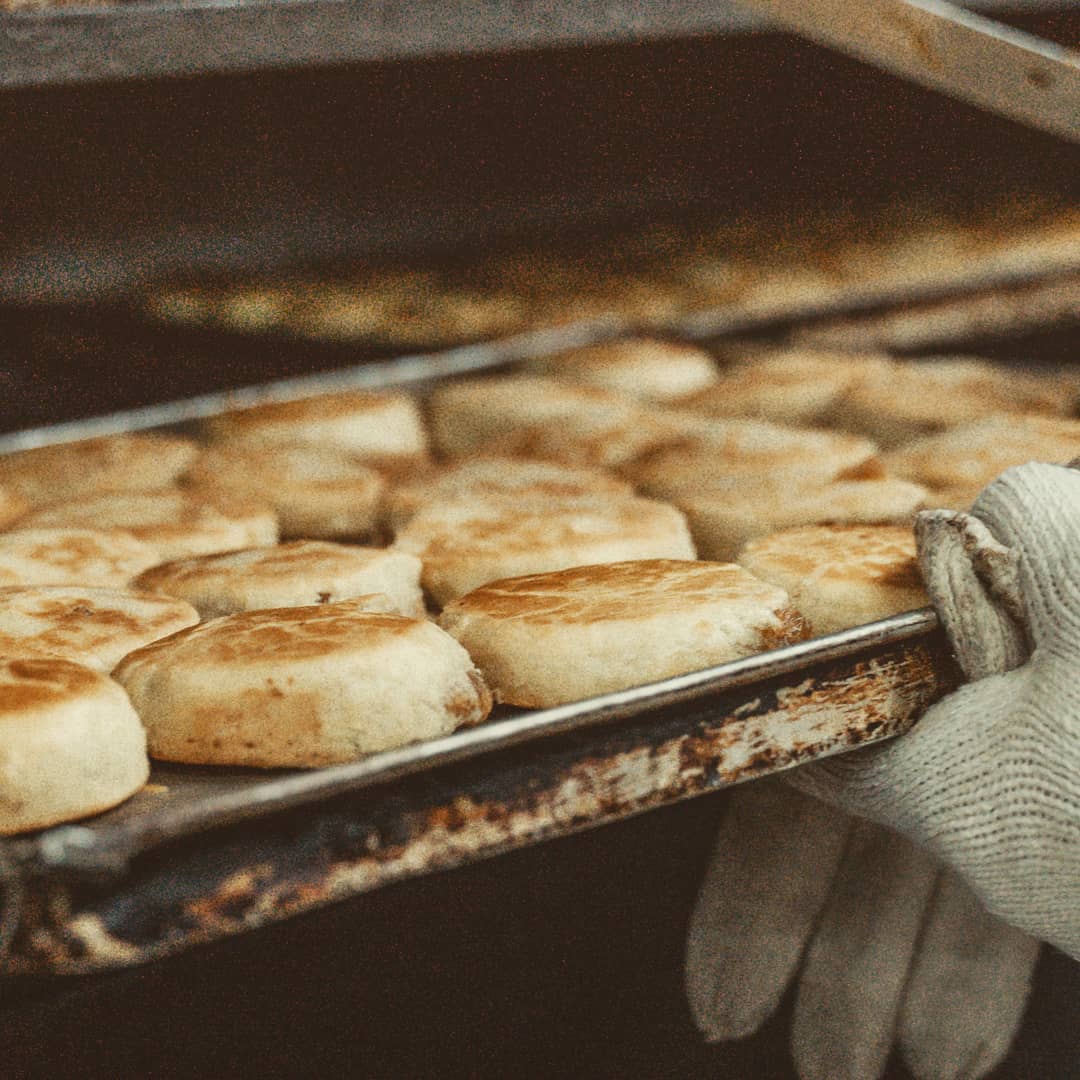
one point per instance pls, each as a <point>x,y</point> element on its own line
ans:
<point>180,800</point>
<point>223,853</point>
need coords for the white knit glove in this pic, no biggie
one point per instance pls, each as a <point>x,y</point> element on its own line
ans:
<point>989,778</point>
<point>893,947</point>
<point>896,946</point>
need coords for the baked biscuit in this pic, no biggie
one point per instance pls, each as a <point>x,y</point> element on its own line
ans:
<point>755,451</point>
<point>897,402</point>
<point>725,518</point>
<point>638,367</point>
<point>606,440</point>
<point>547,639</point>
<point>77,470</point>
<point>175,523</point>
<point>480,477</point>
<point>72,557</point>
<point>12,507</point>
<point>794,386</point>
<point>379,428</point>
<point>301,686</point>
<point>466,543</point>
<point>315,491</point>
<point>70,744</point>
<point>299,574</point>
<point>95,627</point>
<point>841,575</point>
<point>956,465</point>
<point>477,414</point>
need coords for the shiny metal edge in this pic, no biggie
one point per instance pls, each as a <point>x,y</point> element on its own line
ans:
<point>416,368</point>
<point>76,846</point>
<point>941,45</point>
<point>50,45</point>
<point>717,322</point>
<point>399,371</point>
<point>54,45</point>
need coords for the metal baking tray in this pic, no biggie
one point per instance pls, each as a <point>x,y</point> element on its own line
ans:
<point>45,43</point>
<point>201,852</point>
<point>49,43</point>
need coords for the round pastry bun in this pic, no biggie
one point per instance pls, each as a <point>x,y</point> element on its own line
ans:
<point>967,458</point>
<point>77,470</point>
<point>383,427</point>
<point>645,368</point>
<point>756,450</point>
<point>12,507</point>
<point>72,557</point>
<point>95,627</point>
<point>175,523</point>
<point>894,403</point>
<point>70,744</point>
<point>605,440</point>
<point>303,686</point>
<point>486,476</point>
<point>476,414</point>
<point>466,543</point>
<point>546,639</point>
<point>723,519</point>
<point>839,576</point>
<point>793,386</point>
<point>297,574</point>
<point>316,492</point>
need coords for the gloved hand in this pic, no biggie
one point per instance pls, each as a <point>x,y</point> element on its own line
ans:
<point>989,778</point>
<point>782,861</point>
<point>895,947</point>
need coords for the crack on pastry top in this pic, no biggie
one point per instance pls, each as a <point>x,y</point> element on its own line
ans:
<point>106,463</point>
<point>973,454</point>
<point>73,617</point>
<point>512,524</point>
<point>243,465</point>
<point>638,589</point>
<point>255,563</point>
<point>28,683</point>
<point>881,554</point>
<point>160,509</point>
<point>296,633</point>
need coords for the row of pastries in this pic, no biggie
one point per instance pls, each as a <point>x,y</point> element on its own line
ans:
<point>310,581</point>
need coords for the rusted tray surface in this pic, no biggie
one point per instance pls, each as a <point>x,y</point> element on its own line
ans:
<point>200,855</point>
<point>181,800</point>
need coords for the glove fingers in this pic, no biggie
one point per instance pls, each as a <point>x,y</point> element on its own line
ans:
<point>852,983</point>
<point>973,583</point>
<point>1035,510</point>
<point>774,858</point>
<point>968,988</point>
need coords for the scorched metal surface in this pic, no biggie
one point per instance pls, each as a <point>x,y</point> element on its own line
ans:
<point>138,883</point>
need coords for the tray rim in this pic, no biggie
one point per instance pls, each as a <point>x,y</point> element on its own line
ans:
<point>78,847</point>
